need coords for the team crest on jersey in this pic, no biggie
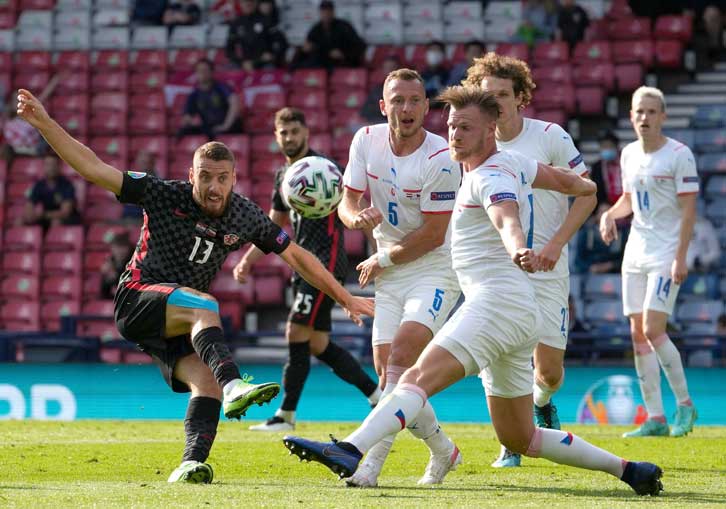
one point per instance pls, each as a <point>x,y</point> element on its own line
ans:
<point>136,174</point>
<point>230,239</point>
<point>574,162</point>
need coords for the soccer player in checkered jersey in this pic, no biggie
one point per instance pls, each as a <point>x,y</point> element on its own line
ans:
<point>413,184</point>
<point>308,325</point>
<point>162,303</point>
<point>660,188</point>
<point>495,330</point>
<point>554,222</point>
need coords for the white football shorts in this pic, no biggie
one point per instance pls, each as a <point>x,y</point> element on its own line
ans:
<point>552,295</point>
<point>648,288</point>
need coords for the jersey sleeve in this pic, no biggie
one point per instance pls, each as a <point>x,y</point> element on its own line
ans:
<point>140,188</point>
<point>563,152</point>
<point>266,235</point>
<point>685,175</point>
<point>443,178</point>
<point>526,166</point>
<point>355,177</point>
<point>498,186</point>
<point>624,172</point>
<point>278,203</point>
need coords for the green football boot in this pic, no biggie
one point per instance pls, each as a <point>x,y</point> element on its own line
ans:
<point>685,417</point>
<point>193,472</point>
<point>245,394</point>
<point>650,428</point>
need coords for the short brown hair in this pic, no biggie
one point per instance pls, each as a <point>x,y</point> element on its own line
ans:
<point>289,115</point>
<point>215,151</point>
<point>405,75</point>
<point>503,67</point>
<point>460,96</point>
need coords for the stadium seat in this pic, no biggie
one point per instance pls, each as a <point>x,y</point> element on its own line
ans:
<point>148,81</point>
<point>232,310</point>
<point>309,78</point>
<point>556,96</point>
<point>111,146</point>
<point>348,78</point>
<point>18,191</point>
<point>147,122</point>
<point>225,287</point>
<point>94,260</point>
<point>112,101</point>
<point>71,102</point>
<point>715,211</point>
<point>602,286</point>
<point>186,145</point>
<point>604,311</point>
<point>91,286</point>
<point>104,330</point>
<point>309,99</point>
<point>597,51</point>
<point>156,144</point>
<point>709,116</point>
<point>6,61</point>
<point>668,54</point>
<point>21,263</point>
<point>108,211</point>
<point>76,82</point>
<point>548,53</point>
<point>19,287</point>
<point>384,32</point>
<point>597,30</point>
<point>110,60</point>
<point>269,291</point>
<point>271,101</point>
<point>630,29</point>
<point>64,238</point>
<point>263,145</point>
<point>322,142</point>
<point>685,136</point>
<point>7,20</point>
<point>110,81</point>
<point>376,54</point>
<point>556,116</point>
<point>34,80</point>
<point>700,287</point>
<point>23,238</point>
<point>674,27</point>
<point>709,140</point>
<point>239,144</point>
<point>185,59</point>
<point>700,311</point>
<point>600,75</point>
<point>347,98</point>
<point>27,169</point>
<point>712,162</point>
<point>520,50</point>
<point>149,37</point>
<point>148,101</point>
<point>633,51</point>
<point>347,118</point>
<point>99,307</point>
<point>355,243</point>
<point>35,61</point>
<point>108,122</point>
<point>20,316</point>
<point>435,121</point>
<point>558,73</point>
<point>716,188</point>
<point>51,313</point>
<point>628,77</point>
<point>62,263</point>
<point>188,36</point>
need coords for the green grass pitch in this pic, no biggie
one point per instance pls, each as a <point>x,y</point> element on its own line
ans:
<point>125,464</point>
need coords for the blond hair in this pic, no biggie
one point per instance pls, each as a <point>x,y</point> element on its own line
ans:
<point>653,92</point>
<point>500,66</point>
<point>460,96</point>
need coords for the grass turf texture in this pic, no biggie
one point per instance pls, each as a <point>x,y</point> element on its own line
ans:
<point>126,464</point>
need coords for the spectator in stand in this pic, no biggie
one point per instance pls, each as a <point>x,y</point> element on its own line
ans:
<point>593,255</point>
<point>704,251</point>
<point>115,264</point>
<point>606,172</point>
<point>52,200</point>
<point>212,108</point>
<point>268,10</point>
<point>435,74</point>
<point>182,12</point>
<point>145,163</point>
<point>331,42</point>
<point>254,42</point>
<point>572,21</point>
<point>539,20</point>
<point>713,24</point>
<point>472,50</point>
<point>371,109</point>
<point>148,12</point>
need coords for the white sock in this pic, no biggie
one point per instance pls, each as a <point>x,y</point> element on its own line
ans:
<point>426,427</point>
<point>286,415</point>
<point>567,449</point>
<point>648,369</point>
<point>543,393</point>
<point>379,452</point>
<point>670,360</point>
<point>375,396</point>
<point>229,386</point>
<point>389,417</point>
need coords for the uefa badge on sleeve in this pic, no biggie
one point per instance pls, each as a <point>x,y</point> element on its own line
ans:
<point>230,239</point>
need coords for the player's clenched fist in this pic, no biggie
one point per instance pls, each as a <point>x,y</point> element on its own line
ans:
<point>526,259</point>
<point>608,229</point>
<point>367,219</point>
<point>31,110</point>
<point>241,271</point>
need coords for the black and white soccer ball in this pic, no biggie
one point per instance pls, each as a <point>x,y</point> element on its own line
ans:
<point>313,187</point>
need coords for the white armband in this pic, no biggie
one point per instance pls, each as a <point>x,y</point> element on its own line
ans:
<point>384,259</point>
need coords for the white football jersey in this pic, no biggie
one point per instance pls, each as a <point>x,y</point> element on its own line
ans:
<point>654,180</point>
<point>403,188</point>
<point>548,143</point>
<point>477,251</point>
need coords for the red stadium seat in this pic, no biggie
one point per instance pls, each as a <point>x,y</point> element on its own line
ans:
<point>272,101</point>
<point>233,310</point>
<point>263,145</point>
<point>20,316</point>
<point>630,29</point>
<point>147,122</point>
<point>114,101</point>
<point>75,122</point>
<point>269,291</point>
<point>355,243</point>
<point>94,260</point>
<point>21,263</point>
<point>18,191</point>
<point>628,76</point>
<point>237,143</point>
<point>321,142</point>
<point>598,51</point>
<point>259,122</point>
<point>98,307</point>
<point>188,144</point>
<point>20,287</point>
<point>34,81</point>
<point>317,120</point>
<point>347,98</point>
<point>23,238</point>
<point>149,60</point>
<point>669,54</point>
<point>110,81</point>
<point>308,99</point>
<point>375,55</point>
<point>558,117</point>
<point>558,73</point>
<point>65,263</point>
<point>7,20</point>
<point>64,238</point>
<point>36,61</point>
<point>619,9</point>
<point>51,313</point>
<point>109,123</point>
<point>42,5</point>
<point>79,61</point>
<point>156,144</point>
<point>91,286</point>
<point>674,27</point>
<point>185,59</point>
<point>347,78</point>
<point>598,74</point>
<point>310,78</point>
<point>597,30</point>
<point>263,185</point>
<point>111,146</point>
<point>262,170</point>
<point>104,330</point>
<point>110,60</point>
<point>57,287</point>
<point>6,61</point>
<point>347,118</point>
<point>551,52</point>
<point>71,102</point>
<point>625,52</point>
<point>590,100</point>
<point>73,83</point>
<point>106,211</point>
<point>27,169</point>
<point>518,50</point>
<point>148,101</point>
<point>97,194</point>
<point>435,121</point>
<point>225,287</point>
<point>554,97</point>
<point>149,81</point>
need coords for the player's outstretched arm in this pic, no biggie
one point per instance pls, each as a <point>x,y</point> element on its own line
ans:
<point>78,156</point>
<point>243,268</point>
<point>622,208</point>
<point>504,216</point>
<point>563,181</point>
<point>309,267</point>
<point>355,213</point>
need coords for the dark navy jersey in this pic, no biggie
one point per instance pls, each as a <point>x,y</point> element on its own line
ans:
<point>179,243</point>
<point>323,237</point>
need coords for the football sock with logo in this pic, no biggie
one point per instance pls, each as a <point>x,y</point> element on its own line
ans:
<point>295,373</point>
<point>209,345</point>
<point>426,427</point>
<point>390,416</point>
<point>200,427</point>
<point>347,368</point>
<point>648,369</point>
<point>670,360</point>
<point>568,449</point>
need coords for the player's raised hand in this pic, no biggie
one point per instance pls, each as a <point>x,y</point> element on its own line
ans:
<point>242,271</point>
<point>367,219</point>
<point>549,256</point>
<point>526,259</point>
<point>31,110</point>
<point>679,271</point>
<point>359,306</point>
<point>608,228</point>
<point>369,270</point>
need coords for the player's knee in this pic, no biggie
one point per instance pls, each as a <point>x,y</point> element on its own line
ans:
<point>515,442</point>
<point>550,376</point>
<point>652,332</point>
<point>636,332</point>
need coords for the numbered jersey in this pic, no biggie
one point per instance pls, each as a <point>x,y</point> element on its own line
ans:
<point>654,181</point>
<point>477,250</point>
<point>179,243</point>
<point>403,188</point>
<point>548,143</point>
